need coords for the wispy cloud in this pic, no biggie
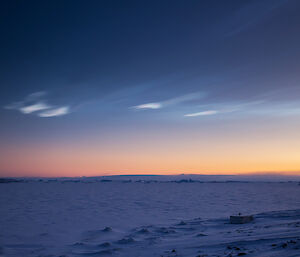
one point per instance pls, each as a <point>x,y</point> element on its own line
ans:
<point>34,107</point>
<point>36,95</point>
<point>227,107</point>
<point>204,113</point>
<point>148,106</point>
<point>252,14</point>
<point>256,107</point>
<point>55,112</point>
<point>36,103</point>
<point>172,101</point>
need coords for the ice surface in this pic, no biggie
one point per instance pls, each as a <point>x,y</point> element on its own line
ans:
<point>87,217</point>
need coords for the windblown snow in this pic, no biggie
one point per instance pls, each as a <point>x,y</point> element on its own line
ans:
<point>149,216</point>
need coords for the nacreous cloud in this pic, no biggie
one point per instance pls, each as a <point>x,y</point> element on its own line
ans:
<point>172,101</point>
<point>55,112</point>
<point>37,104</point>
<point>34,107</point>
<point>204,113</point>
<point>148,106</point>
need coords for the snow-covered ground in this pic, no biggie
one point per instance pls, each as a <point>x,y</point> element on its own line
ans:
<point>148,216</point>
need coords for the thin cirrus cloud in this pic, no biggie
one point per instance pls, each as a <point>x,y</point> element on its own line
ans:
<point>204,113</point>
<point>172,101</point>
<point>34,108</point>
<point>36,103</point>
<point>251,14</point>
<point>226,108</point>
<point>258,107</point>
<point>55,112</point>
<point>149,106</point>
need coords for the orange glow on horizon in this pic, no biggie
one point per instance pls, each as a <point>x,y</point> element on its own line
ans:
<point>239,149</point>
<point>204,158</point>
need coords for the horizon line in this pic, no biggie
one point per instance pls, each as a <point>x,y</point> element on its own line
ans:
<point>284,174</point>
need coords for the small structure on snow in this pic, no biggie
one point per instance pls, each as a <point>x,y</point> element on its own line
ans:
<point>241,219</point>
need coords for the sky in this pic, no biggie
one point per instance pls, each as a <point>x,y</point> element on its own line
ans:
<point>149,87</point>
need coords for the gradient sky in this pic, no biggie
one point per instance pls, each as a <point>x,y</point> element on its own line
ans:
<point>149,87</point>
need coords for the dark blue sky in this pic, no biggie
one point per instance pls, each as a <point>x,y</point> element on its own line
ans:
<point>90,49</point>
<point>71,69</point>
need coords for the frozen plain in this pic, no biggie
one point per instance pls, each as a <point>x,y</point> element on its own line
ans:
<point>149,216</point>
